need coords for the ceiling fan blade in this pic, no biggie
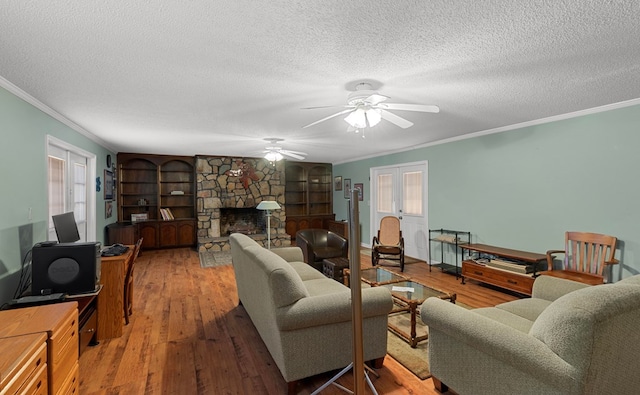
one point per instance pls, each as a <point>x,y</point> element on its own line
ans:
<point>393,118</point>
<point>329,117</point>
<point>313,108</point>
<point>411,107</point>
<point>293,154</point>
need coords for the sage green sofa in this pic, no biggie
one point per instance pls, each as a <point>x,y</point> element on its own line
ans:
<point>303,317</point>
<point>568,338</point>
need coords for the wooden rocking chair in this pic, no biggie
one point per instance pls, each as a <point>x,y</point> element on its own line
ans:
<point>389,244</point>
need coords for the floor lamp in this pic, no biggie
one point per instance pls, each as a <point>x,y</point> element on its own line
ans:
<point>268,205</point>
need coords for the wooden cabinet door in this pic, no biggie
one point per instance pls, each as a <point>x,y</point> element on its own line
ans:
<point>186,233</point>
<point>149,232</point>
<point>168,234</point>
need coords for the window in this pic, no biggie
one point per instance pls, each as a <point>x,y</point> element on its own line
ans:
<point>385,193</point>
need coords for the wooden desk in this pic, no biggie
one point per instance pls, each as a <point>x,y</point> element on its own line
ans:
<point>111,298</point>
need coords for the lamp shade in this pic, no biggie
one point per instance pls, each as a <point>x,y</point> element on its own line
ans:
<point>268,205</point>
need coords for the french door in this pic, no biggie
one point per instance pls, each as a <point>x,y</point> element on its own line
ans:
<point>401,191</point>
<point>70,187</point>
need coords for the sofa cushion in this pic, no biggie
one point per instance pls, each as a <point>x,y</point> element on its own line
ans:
<point>551,288</point>
<point>305,271</point>
<point>529,309</point>
<point>324,286</point>
<point>285,284</point>
<point>504,317</point>
<point>634,280</point>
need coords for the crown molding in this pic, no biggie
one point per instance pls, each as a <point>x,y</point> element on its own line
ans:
<point>555,118</point>
<point>6,84</point>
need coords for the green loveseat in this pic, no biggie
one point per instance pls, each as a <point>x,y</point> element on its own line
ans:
<point>568,338</point>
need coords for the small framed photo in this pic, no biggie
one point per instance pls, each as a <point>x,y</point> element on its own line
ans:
<point>337,183</point>
<point>108,209</point>
<point>360,189</point>
<point>108,185</point>
<point>347,188</point>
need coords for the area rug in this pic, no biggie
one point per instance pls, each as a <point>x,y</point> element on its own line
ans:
<point>215,259</point>
<point>414,359</point>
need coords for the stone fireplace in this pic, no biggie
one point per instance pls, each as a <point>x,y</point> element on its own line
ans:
<point>229,189</point>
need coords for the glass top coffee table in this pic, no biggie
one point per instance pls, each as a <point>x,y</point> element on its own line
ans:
<point>407,296</point>
<point>376,276</point>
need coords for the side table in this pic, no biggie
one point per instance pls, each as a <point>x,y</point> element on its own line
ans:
<point>407,296</point>
<point>333,268</point>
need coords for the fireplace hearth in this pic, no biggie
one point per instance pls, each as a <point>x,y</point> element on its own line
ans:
<point>248,221</point>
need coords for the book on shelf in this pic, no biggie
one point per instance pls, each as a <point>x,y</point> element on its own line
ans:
<point>166,214</point>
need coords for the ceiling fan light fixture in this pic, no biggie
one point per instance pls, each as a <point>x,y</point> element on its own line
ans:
<point>357,118</point>
<point>273,156</point>
<point>373,116</point>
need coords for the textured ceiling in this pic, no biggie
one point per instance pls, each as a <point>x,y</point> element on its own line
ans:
<point>217,77</point>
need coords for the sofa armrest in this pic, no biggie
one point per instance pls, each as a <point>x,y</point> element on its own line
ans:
<point>332,308</point>
<point>289,254</point>
<point>551,288</point>
<point>498,341</point>
<point>306,247</point>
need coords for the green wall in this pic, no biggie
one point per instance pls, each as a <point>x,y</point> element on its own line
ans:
<point>24,129</point>
<point>524,188</point>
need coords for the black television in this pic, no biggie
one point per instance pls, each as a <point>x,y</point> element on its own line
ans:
<point>66,227</point>
<point>68,268</point>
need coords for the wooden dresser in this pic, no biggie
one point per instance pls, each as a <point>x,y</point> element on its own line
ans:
<point>23,364</point>
<point>57,324</point>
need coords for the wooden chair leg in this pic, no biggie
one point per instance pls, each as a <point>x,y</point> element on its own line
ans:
<point>439,385</point>
<point>126,315</point>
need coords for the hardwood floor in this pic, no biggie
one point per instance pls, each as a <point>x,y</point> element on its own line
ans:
<point>187,335</point>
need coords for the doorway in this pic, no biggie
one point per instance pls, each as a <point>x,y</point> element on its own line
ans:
<point>70,186</point>
<point>401,191</point>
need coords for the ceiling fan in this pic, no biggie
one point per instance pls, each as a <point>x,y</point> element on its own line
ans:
<point>366,107</point>
<point>274,153</point>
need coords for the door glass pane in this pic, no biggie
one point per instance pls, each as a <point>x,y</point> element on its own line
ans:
<point>80,192</point>
<point>385,193</point>
<point>56,187</point>
<point>412,193</point>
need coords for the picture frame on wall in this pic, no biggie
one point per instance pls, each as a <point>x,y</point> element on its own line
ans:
<point>108,185</point>
<point>337,183</point>
<point>360,188</point>
<point>347,188</point>
<point>108,209</point>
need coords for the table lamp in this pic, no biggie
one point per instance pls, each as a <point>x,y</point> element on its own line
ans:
<point>268,205</point>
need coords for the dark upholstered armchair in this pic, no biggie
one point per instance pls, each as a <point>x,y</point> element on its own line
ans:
<point>319,244</point>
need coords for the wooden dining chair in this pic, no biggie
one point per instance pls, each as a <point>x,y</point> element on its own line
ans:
<point>586,255</point>
<point>389,243</point>
<point>128,282</point>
